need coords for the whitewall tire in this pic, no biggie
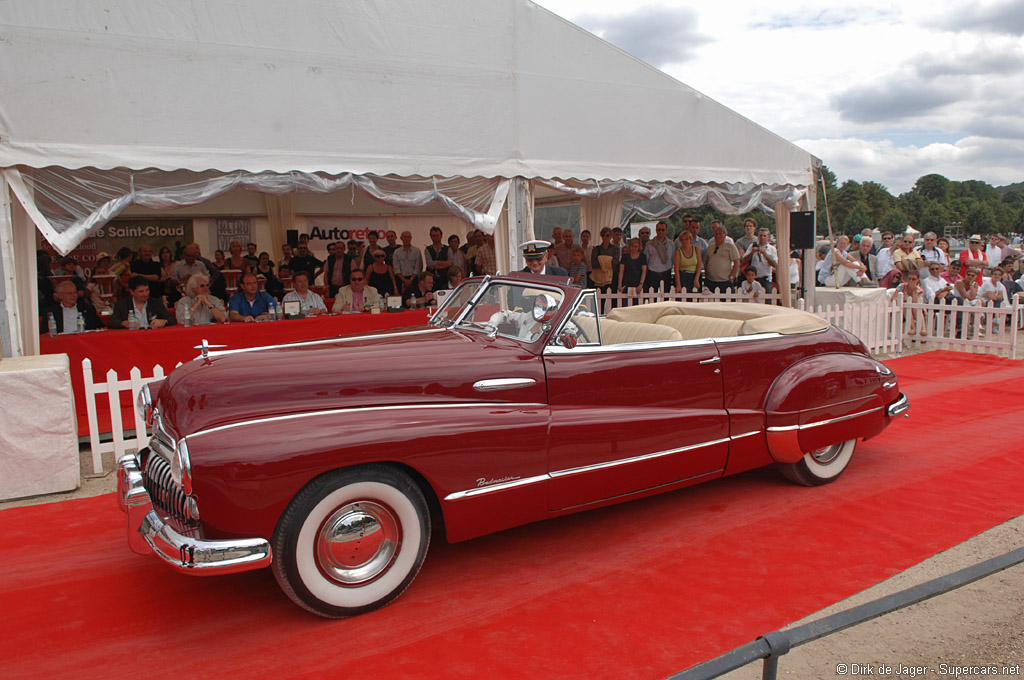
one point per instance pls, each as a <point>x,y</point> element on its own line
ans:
<point>351,541</point>
<point>821,466</point>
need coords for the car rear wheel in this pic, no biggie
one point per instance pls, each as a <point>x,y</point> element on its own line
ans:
<point>351,541</point>
<point>821,466</point>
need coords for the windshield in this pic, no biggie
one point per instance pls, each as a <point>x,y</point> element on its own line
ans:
<point>448,312</point>
<point>504,309</point>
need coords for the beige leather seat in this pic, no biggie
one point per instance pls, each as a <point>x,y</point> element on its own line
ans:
<point>693,327</point>
<point>620,332</point>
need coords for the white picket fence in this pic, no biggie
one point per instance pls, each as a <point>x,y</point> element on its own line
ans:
<point>967,328</point>
<point>119,444</point>
<point>636,296</point>
<point>877,324</point>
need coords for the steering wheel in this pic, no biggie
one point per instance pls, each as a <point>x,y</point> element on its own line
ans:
<point>577,332</point>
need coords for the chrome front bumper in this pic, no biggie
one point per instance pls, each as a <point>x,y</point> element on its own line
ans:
<point>148,533</point>
<point>899,407</point>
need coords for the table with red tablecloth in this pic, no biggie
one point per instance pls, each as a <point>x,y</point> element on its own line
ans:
<point>122,349</point>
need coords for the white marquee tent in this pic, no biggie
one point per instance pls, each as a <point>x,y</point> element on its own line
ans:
<point>471,107</point>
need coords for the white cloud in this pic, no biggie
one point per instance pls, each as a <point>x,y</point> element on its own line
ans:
<point>879,90</point>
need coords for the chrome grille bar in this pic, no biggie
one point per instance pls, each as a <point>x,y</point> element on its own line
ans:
<point>165,493</point>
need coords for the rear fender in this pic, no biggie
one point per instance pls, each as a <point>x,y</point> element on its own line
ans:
<point>827,399</point>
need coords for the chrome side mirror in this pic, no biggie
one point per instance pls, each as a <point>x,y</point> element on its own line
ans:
<point>544,307</point>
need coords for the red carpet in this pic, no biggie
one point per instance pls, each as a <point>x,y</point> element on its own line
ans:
<point>635,591</point>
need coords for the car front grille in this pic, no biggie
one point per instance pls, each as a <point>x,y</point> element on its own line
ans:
<point>164,493</point>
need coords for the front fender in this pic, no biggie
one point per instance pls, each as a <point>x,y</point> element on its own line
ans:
<point>827,399</point>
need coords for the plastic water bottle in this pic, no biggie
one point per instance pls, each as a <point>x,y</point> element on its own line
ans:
<point>133,323</point>
<point>274,313</point>
<point>187,320</point>
<point>51,325</point>
<point>80,323</point>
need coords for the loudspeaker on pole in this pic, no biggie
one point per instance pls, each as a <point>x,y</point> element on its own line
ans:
<point>292,236</point>
<point>801,229</point>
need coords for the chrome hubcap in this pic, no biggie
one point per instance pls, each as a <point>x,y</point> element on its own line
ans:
<point>826,455</point>
<point>357,543</point>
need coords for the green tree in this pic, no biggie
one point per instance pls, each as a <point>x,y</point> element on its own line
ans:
<point>857,220</point>
<point>1013,199</point>
<point>935,187</point>
<point>895,221</point>
<point>845,199</point>
<point>913,205</point>
<point>960,208</point>
<point>972,188</point>
<point>934,218</point>
<point>980,220</point>
<point>879,201</point>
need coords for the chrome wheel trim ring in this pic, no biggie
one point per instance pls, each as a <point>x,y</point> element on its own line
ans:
<point>826,455</point>
<point>357,543</point>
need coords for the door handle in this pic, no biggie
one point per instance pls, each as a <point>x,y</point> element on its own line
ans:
<point>495,384</point>
<point>712,360</point>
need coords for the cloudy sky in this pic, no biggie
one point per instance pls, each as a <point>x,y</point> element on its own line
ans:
<point>880,91</point>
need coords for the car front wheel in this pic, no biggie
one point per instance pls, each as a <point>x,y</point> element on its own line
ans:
<point>351,541</point>
<point>821,466</point>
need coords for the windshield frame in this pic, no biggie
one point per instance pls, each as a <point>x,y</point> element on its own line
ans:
<point>567,300</point>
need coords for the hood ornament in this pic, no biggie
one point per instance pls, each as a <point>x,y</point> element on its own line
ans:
<point>205,347</point>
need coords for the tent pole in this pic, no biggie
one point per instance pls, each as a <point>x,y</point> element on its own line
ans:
<point>809,277</point>
<point>520,221</point>
<point>10,341</point>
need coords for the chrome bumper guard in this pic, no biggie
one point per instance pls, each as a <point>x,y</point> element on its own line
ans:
<point>899,407</point>
<point>148,533</point>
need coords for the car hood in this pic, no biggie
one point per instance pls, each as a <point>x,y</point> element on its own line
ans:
<point>422,365</point>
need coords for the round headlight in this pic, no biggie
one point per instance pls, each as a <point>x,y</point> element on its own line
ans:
<point>144,405</point>
<point>181,468</point>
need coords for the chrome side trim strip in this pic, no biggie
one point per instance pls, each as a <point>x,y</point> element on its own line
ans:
<point>808,426</point>
<point>362,409</point>
<point>634,459</point>
<point>627,347</point>
<point>746,434</point>
<point>495,384</point>
<point>458,495</point>
<point>754,336</point>
<point>324,341</point>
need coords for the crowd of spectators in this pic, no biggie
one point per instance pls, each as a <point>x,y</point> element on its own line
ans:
<point>687,263</point>
<point>137,289</point>
<point>244,284</point>
<point>925,272</point>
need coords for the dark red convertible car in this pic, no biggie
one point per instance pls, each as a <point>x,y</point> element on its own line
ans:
<point>330,461</point>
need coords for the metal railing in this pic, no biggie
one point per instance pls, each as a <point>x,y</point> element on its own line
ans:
<point>771,646</point>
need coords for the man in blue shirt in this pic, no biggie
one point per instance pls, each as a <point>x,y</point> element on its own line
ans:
<point>250,303</point>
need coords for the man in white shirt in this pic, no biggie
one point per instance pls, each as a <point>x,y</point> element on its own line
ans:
<point>659,251</point>
<point>407,261</point>
<point>930,253</point>
<point>884,255</point>
<point>310,303</point>
<point>936,289</point>
<point>764,259</point>
<point>994,250</point>
<point>992,289</point>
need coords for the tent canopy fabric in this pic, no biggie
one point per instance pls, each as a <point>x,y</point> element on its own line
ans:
<point>457,88</point>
